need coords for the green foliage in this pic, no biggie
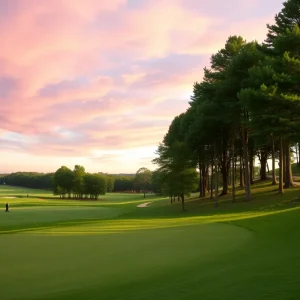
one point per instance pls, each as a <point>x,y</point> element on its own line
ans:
<point>285,20</point>
<point>79,183</point>
<point>176,175</point>
<point>29,179</point>
<point>157,182</point>
<point>110,182</point>
<point>64,181</point>
<point>123,183</point>
<point>142,180</point>
<point>273,98</point>
<point>94,185</point>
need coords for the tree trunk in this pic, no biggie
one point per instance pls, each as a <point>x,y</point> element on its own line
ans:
<point>242,181</point>
<point>229,175</point>
<point>298,146</point>
<point>224,172</point>
<point>182,202</point>
<point>291,174</point>
<point>207,178</point>
<point>274,181</point>
<point>233,174</point>
<point>200,181</point>
<point>216,187</point>
<point>281,191</point>
<point>251,169</point>
<point>218,171</point>
<point>288,168</point>
<point>211,179</point>
<point>216,175</point>
<point>283,161</point>
<point>263,165</point>
<point>204,171</point>
<point>246,160</point>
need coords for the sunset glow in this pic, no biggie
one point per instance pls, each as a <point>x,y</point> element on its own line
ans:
<point>97,83</point>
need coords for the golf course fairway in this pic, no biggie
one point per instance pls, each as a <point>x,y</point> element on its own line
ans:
<point>112,249</point>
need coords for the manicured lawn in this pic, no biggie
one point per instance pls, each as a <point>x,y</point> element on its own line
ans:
<point>110,249</point>
<point>17,196</point>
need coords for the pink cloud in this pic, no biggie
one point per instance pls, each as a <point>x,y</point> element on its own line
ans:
<point>70,90</point>
<point>80,75</point>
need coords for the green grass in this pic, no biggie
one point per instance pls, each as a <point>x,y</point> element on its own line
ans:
<point>110,249</point>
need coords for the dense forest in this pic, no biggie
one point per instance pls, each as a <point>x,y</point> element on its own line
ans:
<point>246,106</point>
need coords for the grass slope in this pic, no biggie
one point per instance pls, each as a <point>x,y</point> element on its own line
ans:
<point>110,249</point>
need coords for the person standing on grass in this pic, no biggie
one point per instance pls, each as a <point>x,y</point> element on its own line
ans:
<point>6,207</point>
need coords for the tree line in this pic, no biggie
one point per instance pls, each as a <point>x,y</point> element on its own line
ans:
<point>247,106</point>
<point>75,182</point>
<point>81,185</point>
<point>29,180</point>
<point>121,183</point>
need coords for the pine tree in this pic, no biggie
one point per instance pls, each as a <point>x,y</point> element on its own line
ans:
<point>287,18</point>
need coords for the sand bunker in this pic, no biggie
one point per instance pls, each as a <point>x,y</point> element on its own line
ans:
<point>9,197</point>
<point>144,204</point>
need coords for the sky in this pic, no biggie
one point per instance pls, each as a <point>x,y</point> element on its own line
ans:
<point>98,83</point>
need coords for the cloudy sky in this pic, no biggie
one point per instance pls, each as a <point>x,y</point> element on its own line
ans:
<point>97,82</point>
